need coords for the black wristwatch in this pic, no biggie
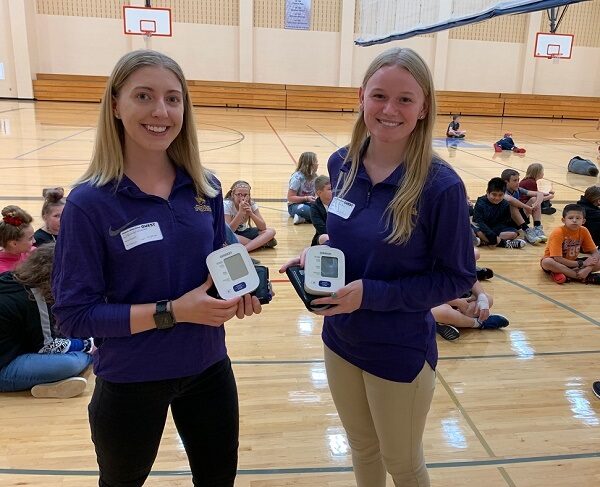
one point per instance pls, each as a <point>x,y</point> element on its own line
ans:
<point>580,264</point>
<point>164,317</point>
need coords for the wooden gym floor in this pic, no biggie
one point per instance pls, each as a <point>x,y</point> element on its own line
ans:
<point>511,408</point>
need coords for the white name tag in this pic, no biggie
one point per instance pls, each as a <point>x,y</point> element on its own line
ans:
<point>340,207</point>
<point>141,234</point>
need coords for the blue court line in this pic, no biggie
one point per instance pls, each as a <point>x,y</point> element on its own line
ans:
<point>312,470</point>
<point>551,300</point>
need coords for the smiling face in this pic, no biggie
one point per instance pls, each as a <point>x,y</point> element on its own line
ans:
<point>495,197</point>
<point>392,102</point>
<point>150,106</point>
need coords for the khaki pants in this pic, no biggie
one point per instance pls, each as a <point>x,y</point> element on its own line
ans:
<point>384,421</point>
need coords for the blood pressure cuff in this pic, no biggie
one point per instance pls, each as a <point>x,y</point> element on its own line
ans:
<point>296,275</point>
<point>264,291</point>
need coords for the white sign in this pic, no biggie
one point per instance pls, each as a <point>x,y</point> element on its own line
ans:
<point>297,14</point>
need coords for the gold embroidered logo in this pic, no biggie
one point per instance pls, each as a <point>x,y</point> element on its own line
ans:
<point>201,206</point>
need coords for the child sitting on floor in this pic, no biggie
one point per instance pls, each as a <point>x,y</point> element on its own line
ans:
<point>318,210</point>
<point>534,173</point>
<point>241,212</point>
<point>453,130</point>
<point>16,237</point>
<point>519,211</point>
<point>470,312</point>
<point>492,223</point>
<point>301,191</point>
<point>561,257</point>
<point>507,143</point>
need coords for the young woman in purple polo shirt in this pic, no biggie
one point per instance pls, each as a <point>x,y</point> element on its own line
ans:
<point>407,240</point>
<point>126,274</point>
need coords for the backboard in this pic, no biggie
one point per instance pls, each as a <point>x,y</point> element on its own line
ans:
<point>558,46</point>
<point>147,21</point>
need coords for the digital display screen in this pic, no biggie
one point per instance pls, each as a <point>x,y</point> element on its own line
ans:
<point>329,266</point>
<point>236,267</point>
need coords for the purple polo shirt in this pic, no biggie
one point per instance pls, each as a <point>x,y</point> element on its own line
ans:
<point>96,279</point>
<point>393,333</point>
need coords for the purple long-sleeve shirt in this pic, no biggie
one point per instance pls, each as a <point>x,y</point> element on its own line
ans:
<point>393,333</point>
<point>96,279</point>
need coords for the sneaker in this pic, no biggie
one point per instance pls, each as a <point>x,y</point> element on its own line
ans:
<point>596,388</point>
<point>270,244</point>
<point>559,277</point>
<point>63,389</point>
<point>516,243</point>
<point>298,220</point>
<point>497,148</point>
<point>519,150</point>
<point>493,322</point>
<point>476,241</point>
<point>548,210</point>
<point>592,279</point>
<point>447,332</point>
<point>483,273</point>
<point>531,236</point>
<point>539,231</point>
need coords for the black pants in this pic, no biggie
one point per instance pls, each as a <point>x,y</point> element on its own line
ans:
<point>127,422</point>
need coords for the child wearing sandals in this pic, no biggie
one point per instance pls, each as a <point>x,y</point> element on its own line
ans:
<point>16,237</point>
<point>534,173</point>
<point>51,212</point>
<point>241,212</point>
<point>561,255</point>
<point>301,192</point>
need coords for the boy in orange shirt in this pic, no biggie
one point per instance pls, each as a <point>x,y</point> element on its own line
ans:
<point>563,247</point>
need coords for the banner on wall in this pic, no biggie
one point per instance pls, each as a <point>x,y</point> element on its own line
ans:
<point>297,14</point>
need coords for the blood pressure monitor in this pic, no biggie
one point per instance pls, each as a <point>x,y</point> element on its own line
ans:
<point>324,270</point>
<point>232,271</point>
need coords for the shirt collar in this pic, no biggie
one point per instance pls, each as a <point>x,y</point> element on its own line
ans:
<point>394,179</point>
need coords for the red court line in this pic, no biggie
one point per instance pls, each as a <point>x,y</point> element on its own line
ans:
<point>281,140</point>
<point>279,280</point>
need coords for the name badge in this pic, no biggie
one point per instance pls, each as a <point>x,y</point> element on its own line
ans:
<point>340,207</point>
<point>141,234</point>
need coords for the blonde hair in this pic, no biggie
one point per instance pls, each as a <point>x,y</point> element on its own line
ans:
<point>14,221</point>
<point>107,162</point>
<point>236,185</point>
<point>306,164</point>
<point>534,171</point>
<point>321,182</point>
<point>419,153</point>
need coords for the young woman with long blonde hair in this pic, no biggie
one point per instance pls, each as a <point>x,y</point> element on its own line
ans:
<point>404,228</point>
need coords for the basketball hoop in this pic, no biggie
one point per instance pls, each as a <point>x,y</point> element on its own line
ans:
<point>147,21</point>
<point>555,58</point>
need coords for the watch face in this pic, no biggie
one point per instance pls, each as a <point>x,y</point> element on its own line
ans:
<point>163,320</point>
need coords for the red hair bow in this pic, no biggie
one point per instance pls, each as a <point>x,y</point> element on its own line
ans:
<point>13,220</point>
